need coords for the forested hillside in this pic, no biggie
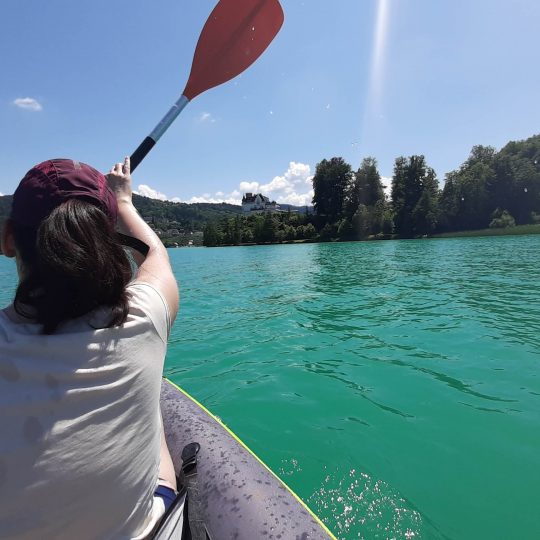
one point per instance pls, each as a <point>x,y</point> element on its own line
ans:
<point>493,185</point>
<point>490,190</point>
<point>174,222</point>
<point>190,216</point>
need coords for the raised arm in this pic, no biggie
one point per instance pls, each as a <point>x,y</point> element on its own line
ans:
<point>155,268</point>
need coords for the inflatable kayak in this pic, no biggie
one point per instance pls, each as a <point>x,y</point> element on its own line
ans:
<point>239,496</point>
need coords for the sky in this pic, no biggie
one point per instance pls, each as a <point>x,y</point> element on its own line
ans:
<point>353,78</point>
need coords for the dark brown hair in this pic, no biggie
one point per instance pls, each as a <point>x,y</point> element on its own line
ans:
<point>72,264</point>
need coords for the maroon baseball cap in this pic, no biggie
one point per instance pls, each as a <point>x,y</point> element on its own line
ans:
<point>55,181</point>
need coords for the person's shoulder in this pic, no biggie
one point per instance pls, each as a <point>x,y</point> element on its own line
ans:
<point>145,298</point>
<point>11,322</point>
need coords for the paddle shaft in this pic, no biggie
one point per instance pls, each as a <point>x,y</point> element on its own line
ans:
<point>233,37</point>
<point>142,150</point>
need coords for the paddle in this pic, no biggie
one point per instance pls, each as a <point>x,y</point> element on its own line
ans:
<point>234,36</point>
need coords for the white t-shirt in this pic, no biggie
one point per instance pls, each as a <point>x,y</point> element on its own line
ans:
<point>79,423</point>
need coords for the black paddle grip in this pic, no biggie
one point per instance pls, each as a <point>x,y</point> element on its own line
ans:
<point>141,152</point>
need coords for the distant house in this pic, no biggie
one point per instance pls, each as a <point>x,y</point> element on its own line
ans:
<point>258,203</point>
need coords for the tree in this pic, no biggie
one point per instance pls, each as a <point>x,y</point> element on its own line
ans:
<point>257,224</point>
<point>361,222</point>
<point>268,229</point>
<point>328,231</point>
<point>211,236</point>
<point>378,214</point>
<point>488,180</point>
<point>279,235</point>
<point>449,201</point>
<point>290,232</point>
<point>480,154</point>
<point>413,179</point>
<point>517,179</point>
<point>426,212</point>
<point>502,220</point>
<point>345,229</point>
<point>236,230</point>
<point>388,220</point>
<point>309,231</point>
<point>247,235</point>
<point>400,197</point>
<point>231,231</point>
<point>367,188</point>
<point>464,202</point>
<point>331,184</point>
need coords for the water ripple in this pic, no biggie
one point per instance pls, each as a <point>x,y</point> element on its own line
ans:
<point>412,360</point>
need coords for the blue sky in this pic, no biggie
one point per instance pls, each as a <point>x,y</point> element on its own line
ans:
<point>350,78</point>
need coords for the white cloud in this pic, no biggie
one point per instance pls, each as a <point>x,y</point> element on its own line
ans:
<point>297,199</point>
<point>151,193</point>
<point>290,188</point>
<point>387,185</point>
<point>28,103</point>
<point>215,199</point>
<point>249,187</point>
<point>294,186</point>
<point>278,183</point>
<point>235,197</point>
<point>206,117</point>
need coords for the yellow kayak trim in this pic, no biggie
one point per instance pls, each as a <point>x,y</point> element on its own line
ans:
<point>239,441</point>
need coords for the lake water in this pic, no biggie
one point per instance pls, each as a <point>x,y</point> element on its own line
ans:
<point>393,385</point>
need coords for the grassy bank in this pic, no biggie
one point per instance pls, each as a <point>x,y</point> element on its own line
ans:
<point>509,231</point>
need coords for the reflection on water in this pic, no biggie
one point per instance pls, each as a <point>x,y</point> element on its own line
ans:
<point>394,385</point>
<point>360,503</point>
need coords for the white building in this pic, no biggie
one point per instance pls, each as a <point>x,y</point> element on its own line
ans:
<point>258,203</point>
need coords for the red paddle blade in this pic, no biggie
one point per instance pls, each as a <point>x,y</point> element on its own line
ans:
<point>234,36</point>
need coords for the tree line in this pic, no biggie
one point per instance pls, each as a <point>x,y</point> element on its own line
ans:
<point>489,190</point>
<point>259,229</point>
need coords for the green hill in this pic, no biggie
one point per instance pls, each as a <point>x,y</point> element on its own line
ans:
<point>188,216</point>
<point>175,223</point>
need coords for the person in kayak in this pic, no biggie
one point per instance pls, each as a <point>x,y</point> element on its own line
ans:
<point>82,346</point>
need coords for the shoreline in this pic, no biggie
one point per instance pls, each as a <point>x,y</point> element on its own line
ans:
<point>518,230</point>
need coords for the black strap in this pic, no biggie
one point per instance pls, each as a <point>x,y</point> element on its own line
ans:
<point>134,243</point>
<point>194,507</point>
<point>168,528</point>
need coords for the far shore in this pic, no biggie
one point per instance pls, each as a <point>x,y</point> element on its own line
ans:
<point>518,230</point>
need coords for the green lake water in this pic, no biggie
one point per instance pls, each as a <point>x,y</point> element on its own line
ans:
<point>395,386</point>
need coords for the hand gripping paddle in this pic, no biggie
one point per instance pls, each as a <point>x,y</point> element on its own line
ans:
<point>234,36</point>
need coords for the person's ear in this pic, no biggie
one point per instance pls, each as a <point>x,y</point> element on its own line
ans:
<point>7,240</point>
